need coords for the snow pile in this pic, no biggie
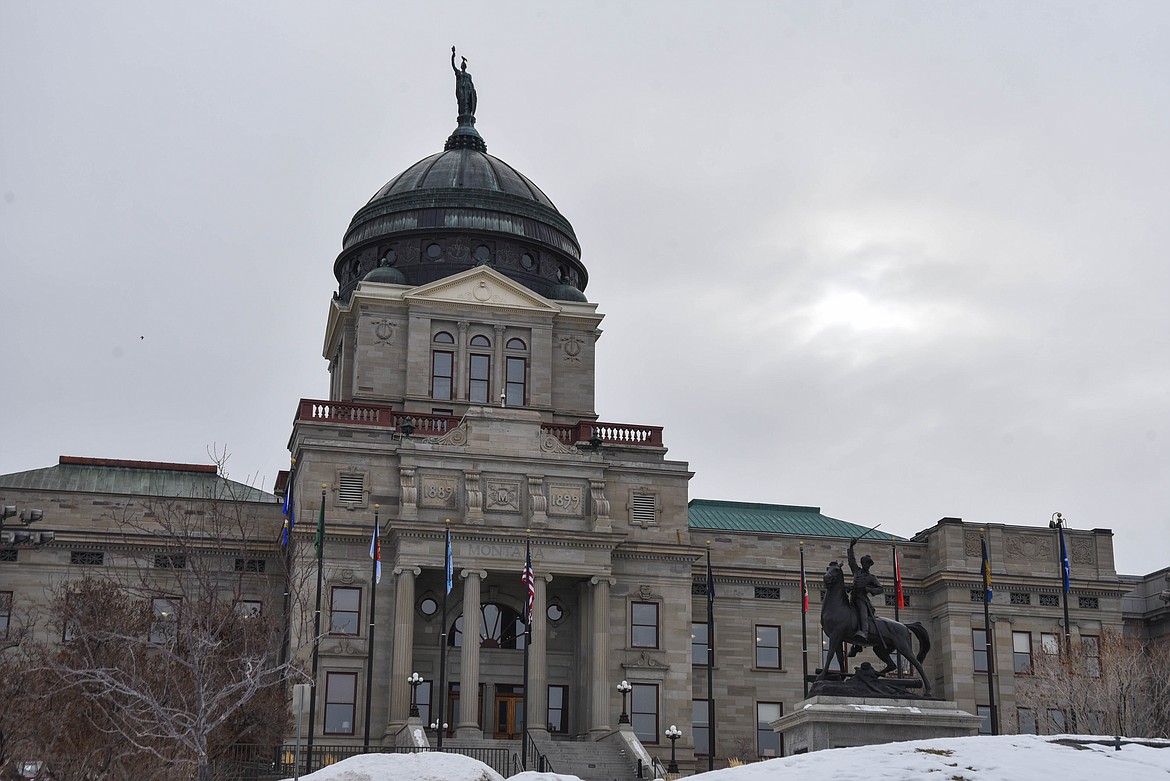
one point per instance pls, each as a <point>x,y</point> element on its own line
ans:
<point>1002,758</point>
<point>984,758</point>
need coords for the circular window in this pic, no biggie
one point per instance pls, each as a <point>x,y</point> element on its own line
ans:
<point>434,251</point>
<point>527,261</point>
<point>428,606</point>
<point>555,612</point>
<point>483,254</point>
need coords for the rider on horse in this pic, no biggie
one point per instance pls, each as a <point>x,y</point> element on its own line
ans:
<point>865,583</point>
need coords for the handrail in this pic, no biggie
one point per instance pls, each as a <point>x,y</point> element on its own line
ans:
<point>657,768</point>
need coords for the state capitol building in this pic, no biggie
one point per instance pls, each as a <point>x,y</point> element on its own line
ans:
<point>461,347</point>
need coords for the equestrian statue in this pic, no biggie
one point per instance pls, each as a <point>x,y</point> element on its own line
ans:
<point>847,616</point>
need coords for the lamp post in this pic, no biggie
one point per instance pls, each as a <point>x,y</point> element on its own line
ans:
<point>673,733</point>
<point>415,680</point>
<point>1057,523</point>
<point>625,688</point>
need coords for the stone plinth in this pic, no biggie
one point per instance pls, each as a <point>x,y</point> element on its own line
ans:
<point>837,722</point>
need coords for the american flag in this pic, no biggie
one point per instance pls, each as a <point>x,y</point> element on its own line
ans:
<point>528,580</point>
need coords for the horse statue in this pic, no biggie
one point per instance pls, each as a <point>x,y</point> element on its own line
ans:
<point>839,623</point>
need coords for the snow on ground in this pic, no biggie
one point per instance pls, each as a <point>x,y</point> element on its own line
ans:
<point>984,758</point>
<point>1002,758</point>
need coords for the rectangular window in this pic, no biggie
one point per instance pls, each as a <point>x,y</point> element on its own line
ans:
<point>1022,652</point>
<point>985,712</point>
<point>768,647</point>
<point>165,619</point>
<point>1056,721</point>
<point>979,649</point>
<point>170,561</point>
<point>699,641</point>
<point>700,725</point>
<point>768,739</point>
<point>479,379</point>
<point>517,381</point>
<point>558,710</point>
<point>644,624</point>
<point>643,508</point>
<point>1049,643</point>
<point>1049,600</point>
<point>442,375</point>
<point>5,613</point>
<point>423,699</point>
<point>829,660</point>
<point>251,565</point>
<point>87,558</point>
<point>345,606</point>
<point>1027,719</point>
<point>340,698</point>
<point>249,608</point>
<point>8,554</point>
<point>1091,650</point>
<point>644,712</point>
<point>1089,603</point>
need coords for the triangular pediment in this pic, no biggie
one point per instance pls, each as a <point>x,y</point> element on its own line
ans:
<point>481,286</point>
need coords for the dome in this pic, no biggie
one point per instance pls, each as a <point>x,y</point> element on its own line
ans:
<point>457,209</point>
<point>386,274</point>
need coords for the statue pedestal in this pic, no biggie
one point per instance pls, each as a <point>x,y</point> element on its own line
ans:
<point>837,722</point>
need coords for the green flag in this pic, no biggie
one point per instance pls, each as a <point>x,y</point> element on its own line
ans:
<point>319,542</point>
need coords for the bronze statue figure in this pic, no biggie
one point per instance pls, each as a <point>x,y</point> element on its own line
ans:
<point>464,87</point>
<point>865,585</point>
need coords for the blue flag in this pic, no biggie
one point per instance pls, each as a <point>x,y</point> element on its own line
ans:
<point>449,564</point>
<point>289,509</point>
<point>1064,568</point>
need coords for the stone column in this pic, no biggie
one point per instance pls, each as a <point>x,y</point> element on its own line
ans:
<point>538,660</point>
<point>460,393</point>
<point>403,650</point>
<point>599,667</point>
<point>468,727</point>
<point>498,375</point>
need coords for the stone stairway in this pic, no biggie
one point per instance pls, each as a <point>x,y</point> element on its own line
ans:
<point>589,760</point>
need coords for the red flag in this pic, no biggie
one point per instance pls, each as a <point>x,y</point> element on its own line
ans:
<point>898,582</point>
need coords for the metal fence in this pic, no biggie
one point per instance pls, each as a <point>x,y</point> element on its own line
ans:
<point>266,763</point>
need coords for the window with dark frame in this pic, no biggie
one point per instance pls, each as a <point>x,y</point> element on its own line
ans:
<point>423,699</point>
<point>979,649</point>
<point>515,380</point>
<point>479,379</point>
<point>5,613</point>
<point>1091,651</point>
<point>165,619</point>
<point>985,712</point>
<point>558,711</point>
<point>442,375</point>
<point>644,624</point>
<point>249,608</point>
<point>1049,643</point>
<point>699,640</point>
<point>1056,721</point>
<point>87,558</point>
<point>345,605</point>
<point>644,712</point>
<point>768,740</point>
<point>170,561</point>
<point>1027,721</point>
<point>340,702</point>
<point>1022,653</point>
<point>701,727</point>
<point>768,647</point>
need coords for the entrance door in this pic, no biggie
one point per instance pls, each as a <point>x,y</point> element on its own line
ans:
<point>509,716</point>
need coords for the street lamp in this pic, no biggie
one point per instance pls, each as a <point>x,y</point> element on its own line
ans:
<point>1057,523</point>
<point>415,680</point>
<point>625,688</point>
<point>673,733</point>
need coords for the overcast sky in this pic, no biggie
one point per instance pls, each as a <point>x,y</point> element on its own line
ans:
<point>900,261</point>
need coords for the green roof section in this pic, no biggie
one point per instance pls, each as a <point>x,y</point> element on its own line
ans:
<point>134,478</point>
<point>716,515</point>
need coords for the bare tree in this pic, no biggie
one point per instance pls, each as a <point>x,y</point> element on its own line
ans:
<point>174,652</point>
<point>1111,684</point>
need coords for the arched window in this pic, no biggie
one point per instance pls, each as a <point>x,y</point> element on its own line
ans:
<point>442,368</point>
<point>499,627</point>
<point>442,337</point>
<point>480,341</point>
<point>516,344</point>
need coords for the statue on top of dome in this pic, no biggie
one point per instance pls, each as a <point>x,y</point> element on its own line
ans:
<point>464,88</point>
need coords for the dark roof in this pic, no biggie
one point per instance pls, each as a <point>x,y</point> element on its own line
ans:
<point>134,478</point>
<point>465,169</point>
<point>718,515</point>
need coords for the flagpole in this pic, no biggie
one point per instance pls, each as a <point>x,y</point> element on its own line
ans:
<point>897,598</point>
<point>320,544</point>
<point>804,618</point>
<point>375,562</point>
<point>447,573</point>
<point>710,659</point>
<point>989,646</point>
<point>527,642</point>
